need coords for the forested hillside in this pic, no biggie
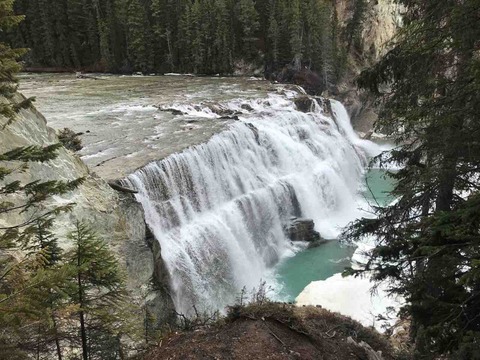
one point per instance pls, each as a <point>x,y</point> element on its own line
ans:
<point>200,36</point>
<point>428,243</point>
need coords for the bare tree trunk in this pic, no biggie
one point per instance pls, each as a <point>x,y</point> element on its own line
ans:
<point>168,34</point>
<point>57,340</point>
<point>83,331</point>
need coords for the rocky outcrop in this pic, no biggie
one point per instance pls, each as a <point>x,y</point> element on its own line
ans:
<point>382,21</point>
<point>302,230</point>
<point>304,103</point>
<point>114,216</point>
<point>311,81</point>
<point>370,353</point>
<point>361,108</point>
<point>115,185</point>
<point>146,267</point>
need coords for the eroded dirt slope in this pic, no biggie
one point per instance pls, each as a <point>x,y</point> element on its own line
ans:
<point>277,332</point>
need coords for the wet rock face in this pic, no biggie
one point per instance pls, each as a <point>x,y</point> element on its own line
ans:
<point>304,103</point>
<point>382,21</point>
<point>158,303</point>
<point>310,80</point>
<point>113,214</point>
<point>302,230</point>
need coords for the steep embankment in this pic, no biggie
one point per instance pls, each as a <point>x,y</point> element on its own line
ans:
<point>381,21</point>
<point>114,216</point>
<point>277,331</point>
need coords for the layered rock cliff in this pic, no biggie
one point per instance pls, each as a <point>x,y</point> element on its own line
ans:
<point>114,216</point>
<point>382,20</point>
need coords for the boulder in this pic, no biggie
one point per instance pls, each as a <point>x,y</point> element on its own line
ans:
<point>311,81</point>
<point>255,132</point>
<point>174,112</point>
<point>317,243</point>
<point>302,230</point>
<point>222,111</point>
<point>247,107</point>
<point>80,75</point>
<point>115,185</point>
<point>228,117</point>
<point>304,103</point>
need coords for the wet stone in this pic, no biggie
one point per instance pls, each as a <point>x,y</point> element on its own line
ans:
<point>302,230</point>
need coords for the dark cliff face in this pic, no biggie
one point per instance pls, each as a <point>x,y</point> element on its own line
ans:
<point>381,21</point>
<point>159,302</point>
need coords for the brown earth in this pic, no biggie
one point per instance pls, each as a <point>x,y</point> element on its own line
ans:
<point>277,332</point>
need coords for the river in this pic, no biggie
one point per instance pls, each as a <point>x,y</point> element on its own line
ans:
<point>221,165</point>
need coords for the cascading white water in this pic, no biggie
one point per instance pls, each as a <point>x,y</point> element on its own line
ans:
<point>218,209</point>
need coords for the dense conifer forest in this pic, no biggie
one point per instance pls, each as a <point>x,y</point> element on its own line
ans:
<point>428,246</point>
<point>200,36</point>
<point>72,303</point>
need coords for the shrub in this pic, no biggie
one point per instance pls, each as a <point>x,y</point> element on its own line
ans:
<point>70,139</point>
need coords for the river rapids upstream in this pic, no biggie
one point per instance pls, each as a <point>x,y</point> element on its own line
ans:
<point>221,166</point>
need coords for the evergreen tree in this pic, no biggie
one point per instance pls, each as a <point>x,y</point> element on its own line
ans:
<point>184,40</point>
<point>22,277</point>
<point>353,31</point>
<point>76,34</point>
<point>137,36</point>
<point>273,37</point>
<point>223,49</point>
<point>428,240</point>
<point>282,10</point>
<point>49,296</point>
<point>99,295</point>
<point>201,36</point>
<point>338,53</point>
<point>296,34</point>
<point>160,29</point>
<point>247,17</point>
<point>198,47</point>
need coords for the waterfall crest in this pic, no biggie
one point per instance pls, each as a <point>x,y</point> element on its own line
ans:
<point>218,209</point>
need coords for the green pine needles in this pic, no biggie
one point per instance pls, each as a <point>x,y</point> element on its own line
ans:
<point>53,303</point>
<point>99,296</point>
<point>200,36</point>
<point>428,246</point>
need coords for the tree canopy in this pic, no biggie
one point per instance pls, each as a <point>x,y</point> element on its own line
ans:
<point>429,239</point>
<point>41,294</point>
<point>201,36</point>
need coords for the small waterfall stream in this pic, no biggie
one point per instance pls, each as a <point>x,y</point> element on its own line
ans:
<point>218,209</point>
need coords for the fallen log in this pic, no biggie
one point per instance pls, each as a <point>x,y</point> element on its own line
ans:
<point>120,188</point>
<point>79,75</point>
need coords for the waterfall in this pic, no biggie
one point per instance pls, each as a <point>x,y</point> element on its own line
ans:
<point>218,209</point>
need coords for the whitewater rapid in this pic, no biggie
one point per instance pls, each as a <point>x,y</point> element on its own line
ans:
<point>218,209</point>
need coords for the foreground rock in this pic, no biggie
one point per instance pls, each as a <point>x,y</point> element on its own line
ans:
<point>277,331</point>
<point>311,81</point>
<point>302,230</point>
<point>304,103</point>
